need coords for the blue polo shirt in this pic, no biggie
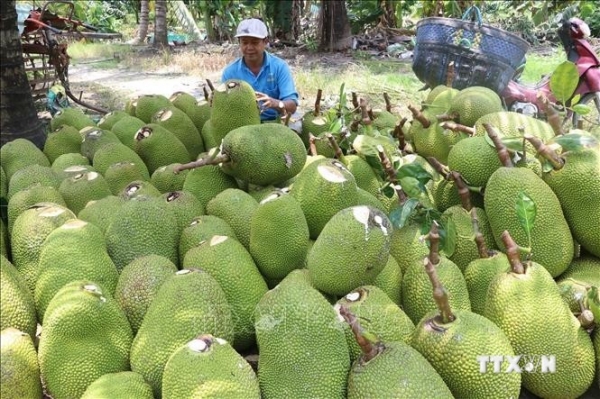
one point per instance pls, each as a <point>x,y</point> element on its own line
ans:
<point>274,79</point>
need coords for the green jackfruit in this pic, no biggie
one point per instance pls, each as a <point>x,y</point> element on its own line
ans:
<point>139,188</point>
<point>206,182</point>
<point>94,138</point>
<point>85,336</point>
<point>185,207</point>
<point>157,146</point>
<point>66,160</point>
<point>235,207</point>
<point>31,196</point>
<point>19,153</point>
<point>470,105</point>
<point>296,320</point>
<point>101,212</point>
<point>187,304</point>
<point>208,367</point>
<point>32,175</point>
<point>407,246</point>
<point>71,116</point>
<point>20,371</point>
<point>147,105</point>
<point>180,124</point>
<point>165,179</point>
<point>480,273</point>
<point>120,174</point>
<point>78,190</point>
<point>126,128</point>
<point>389,280</point>
<point>112,153</point>
<point>225,259</point>
<point>4,241</point>
<point>17,305</point>
<point>121,385</point>
<point>64,140</point>
<point>200,229</point>
<point>197,111</point>
<point>109,120</point>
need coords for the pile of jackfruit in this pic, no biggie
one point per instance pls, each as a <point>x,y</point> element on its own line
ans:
<point>178,248</point>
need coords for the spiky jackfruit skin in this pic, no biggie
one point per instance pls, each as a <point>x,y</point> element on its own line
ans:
<point>4,240</point>
<point>474,159</point>
<point>112,153</point>
<point>17,305</point>
<point>363,173</point>
<point>165,179</point>
<point>389,280</point>
<point>138,284</point>
<point>31,196</point>
<point>139,188</point>
<point>85,336</point>
<point>381,376</point>
<point>121,385</point>
<point>263,154</point>
<point>575,282</point>
<point>157,146</point>
<point>406,246</point>
<point>109,120</point>
<point>291,318</point>
<point>478,276</point>
<point>278,235</point>
<point>235,207</point>
<point>72,117</point>
<point>62,261</point>
<point>142,226</point>
<point>119,175</point>
<point>208,367</point>
<point>430,141</point>
<point>185,207</point>
<point>313,124</point>
<point>233,105</point>
<point>335,263</point>
<point>93,139</point>
<point>19,153</point>
<point>188,303</point>
<point>434,92</point>
<point>417,299</point>
<point>101,212</point>
<point>208,137</point>
<point>66,160</point>
<point>32,175</point>
<point>472,104</point>
<point>147,105</point>
<point>78,190</point>
<point>125,129</point>
<point>576,186</point>
<point>378,315</point>
<point>520,304</point>
<point>200,229</point>
<point>197,110</point>
<point>366,198</point>
<point>64,140</point>
<point>208,181</point>
<point>30,230</point>
<point>178,123</point>
<point>451,347</point>
<point>20,371</point>
<point>323,188</point>
<point>551,239</point>
<point>225,259</point>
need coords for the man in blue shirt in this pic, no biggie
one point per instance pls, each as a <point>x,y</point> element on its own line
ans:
<point>269,75</point>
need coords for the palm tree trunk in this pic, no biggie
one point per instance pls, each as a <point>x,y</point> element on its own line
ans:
<point>334,26</point>
<point>160,24</point>
<point>18,116</point>
<point>143,27</point>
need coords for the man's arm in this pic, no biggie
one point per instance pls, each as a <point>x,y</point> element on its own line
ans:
<point>287,89</point>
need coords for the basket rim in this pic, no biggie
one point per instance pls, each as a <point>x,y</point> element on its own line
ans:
<point>462,23</point>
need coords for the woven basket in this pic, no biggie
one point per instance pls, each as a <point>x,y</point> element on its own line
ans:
<point>481,55</point>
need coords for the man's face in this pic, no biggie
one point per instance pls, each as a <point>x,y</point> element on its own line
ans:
<point>252,47</point>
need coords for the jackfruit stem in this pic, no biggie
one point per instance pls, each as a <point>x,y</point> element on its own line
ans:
<point>451,118</point>
<point>450,74</point>
<point>463,190</point>
<point>438,166</point>
<point>354,124</point>
<point>368,343</point>
<point>206,95</point>
<point>503,154</point>
<point>512,252</point>
<point>317,111</point>
<point>210,85</point>
<point>312,148</point>
<point>388,102</point>
<point>552,115</point>
<point>419,116</point>
<point>399,134</point>
<point>355,101</point>
<point>337,151</point>
<point>371,114</point>
<point>479,240</point>
<point>457,127</point>
<point>365,119</point>
<point>202,162</point>
<point>440,296</point>
<point>545,151</point>
<point>391,173</point>
<point>586,319</point>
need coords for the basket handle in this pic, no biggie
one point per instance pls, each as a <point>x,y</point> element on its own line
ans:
<point>475,15</point>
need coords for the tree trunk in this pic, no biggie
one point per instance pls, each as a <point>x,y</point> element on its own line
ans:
<point>334,26</point>
<point>18,116</point>
<point>143,27</point>
<point>285,18</point>
<point>160,24</point>
<point>389,14</point>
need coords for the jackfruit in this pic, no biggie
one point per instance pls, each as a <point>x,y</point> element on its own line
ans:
<point>63,261</point>
<point>178,123</point>
<point>157,146</point>
<point>165,179</point>
<point>208,367</point>
<point>142,226</point>
<point>582,274</point>
<point>230,264</point>
<point>75,170</point>
<point>32,175</point>
<point>66,160</point>
<point>200,229</point>
<point>126,128</point>
<point>121,385</point>
<point>78,190</point>
<point>4,241</point>
<point>94,139</point>
<point>197,111</point>
<point>19,153</point>
<point>472,103</point>
<point>17,305</point>
<point>101,212</point>
<point>63,140</point>
<point>278,235</point>
<point>407,246</point>
<point>351,251</point>
<point>236,208</point>
<point>296,320</point>
<point>147,105</point>
<point>480,273</point>
<point>187,304</point>
<point>31,196</point>
<point>185,207</point>
<point>108,120</point>
<point>85,336</point>
<point>313,124</point>
<point>112,153</point>
<point>389,280</point>
<point>20,371</point>
<point>120,174</point>
<point>206,182</point>
<point>139,188</point>
<point>138,284</point>
<point>71,116</point>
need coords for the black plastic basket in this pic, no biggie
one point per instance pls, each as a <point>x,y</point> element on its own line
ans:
<point>481,55</point>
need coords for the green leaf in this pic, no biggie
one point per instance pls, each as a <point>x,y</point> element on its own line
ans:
<point>335,126</point>
<point>593,301</point>
<point>411,186</point>
<point>582,109</point>
<point>448,236</point>
<point>564,81</point>
<point>575,99</point>
<point>400,215</point>
<point>388,191</point>
<point>513,143</point>
<point>526,213</point>
<point>547,167</point>
<point>342,97</point>
<point>576,141</point>
<point>415,171</point>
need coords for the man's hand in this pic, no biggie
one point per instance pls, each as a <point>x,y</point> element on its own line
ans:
<point>266,101</point>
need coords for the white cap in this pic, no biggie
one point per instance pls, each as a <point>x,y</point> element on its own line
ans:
<point>252,27</point>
